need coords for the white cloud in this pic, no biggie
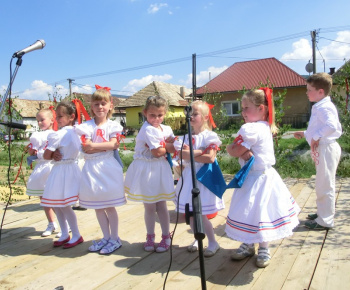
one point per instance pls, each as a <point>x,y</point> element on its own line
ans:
<point>205,76</point>
<point>338,49</point>
<point>40,90</point>
<point>154,8</point>
<point>135,85</point>
<point>301,50</point>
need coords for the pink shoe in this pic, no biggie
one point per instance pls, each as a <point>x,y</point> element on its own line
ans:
<point>164,244</point>
<point>149,245</point>
<point>71,245</point>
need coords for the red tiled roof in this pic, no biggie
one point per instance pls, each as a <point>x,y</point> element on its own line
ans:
<point>249,74</point>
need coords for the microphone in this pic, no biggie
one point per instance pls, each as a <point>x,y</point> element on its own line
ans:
<point>14,125</point>
<point>188,110</point>
<point>39,44</point>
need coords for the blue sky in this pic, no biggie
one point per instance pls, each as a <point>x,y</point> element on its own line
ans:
<point>118,43</point>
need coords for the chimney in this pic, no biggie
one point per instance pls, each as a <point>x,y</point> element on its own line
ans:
<point>182,92</point>
<point>331,70</point>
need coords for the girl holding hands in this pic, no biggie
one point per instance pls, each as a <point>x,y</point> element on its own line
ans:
<point>263,209</point>
<point>102,186</point>
<point>149,178</point>
<point>62,187</point>
<point>205,145</point>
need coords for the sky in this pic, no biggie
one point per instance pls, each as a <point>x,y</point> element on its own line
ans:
<point>127,44</point>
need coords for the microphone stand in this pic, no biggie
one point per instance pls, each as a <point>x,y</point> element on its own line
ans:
<point>196,204</point>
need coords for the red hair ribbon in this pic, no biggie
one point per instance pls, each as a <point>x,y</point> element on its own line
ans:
<point>81,110</point>
<point>102,88</point>
<point>268,94</point>
<point>120,137</point>
<point>210,115</point>
<point>55,126</point>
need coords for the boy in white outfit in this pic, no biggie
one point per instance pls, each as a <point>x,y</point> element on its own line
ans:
<point>322,133</point>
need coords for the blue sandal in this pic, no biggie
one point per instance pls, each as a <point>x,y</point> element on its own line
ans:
<point>96,246</point>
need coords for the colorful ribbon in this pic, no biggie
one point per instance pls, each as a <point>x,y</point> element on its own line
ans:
<point>238,140</point>
<point>102,88</point>
<point>55,126</point>
<point>268,94</point>
<point>100,133</point>
<point>81,110</point>
<point>120,137</point>
<point>210,115</point>
<point>211,146</point>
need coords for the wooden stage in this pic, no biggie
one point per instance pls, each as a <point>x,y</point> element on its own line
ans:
<point>307,260</point>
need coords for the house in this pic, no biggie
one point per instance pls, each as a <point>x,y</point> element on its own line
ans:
<point>250,74</point>
<point>175,95</point>
<point>25,113</point>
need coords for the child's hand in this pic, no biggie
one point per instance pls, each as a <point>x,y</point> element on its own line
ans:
<point>299,134</point>
<point>170,139</point>
<point>57,156</point>
<point>247,155</point>
<point>314,145</point>
<point>116,146</point>
<point>186,147</point>
<point>87,146</point>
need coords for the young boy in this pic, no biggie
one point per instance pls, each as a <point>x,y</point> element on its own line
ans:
<point>322,133</point>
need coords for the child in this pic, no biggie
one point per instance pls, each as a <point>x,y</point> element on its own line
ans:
<point>322,133</point>
<point>263,209</point>
<point>149,178</point>
<point>36,181</point>
<point>62,187</point>
<point>102,186</point>
<point>205,145</point>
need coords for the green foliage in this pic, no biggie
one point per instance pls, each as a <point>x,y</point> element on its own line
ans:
<point>127,159</point>
<point>219,113</point>
<point>339,99</point>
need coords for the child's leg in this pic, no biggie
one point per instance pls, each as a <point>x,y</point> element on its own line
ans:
<point>209,231</point>
<point>113,222</point>
<point>73,223</point>
<point>150,217</point>
<point>264,257</point>
<point>63,224</point>
<point>50,214</point>
<point>103,222</point>
<point>164,218</point>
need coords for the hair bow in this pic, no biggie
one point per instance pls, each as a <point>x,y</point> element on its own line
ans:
<point>210,115</point>
<point>268,96</point>
<point>102,88</point>
<point>80,110</point>
<point>55,126</point>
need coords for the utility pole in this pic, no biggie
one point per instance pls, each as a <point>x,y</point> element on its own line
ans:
<point>70,86</point>
<point>313,39</point>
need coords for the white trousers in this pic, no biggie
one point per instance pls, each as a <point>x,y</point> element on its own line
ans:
<point>326,162</point>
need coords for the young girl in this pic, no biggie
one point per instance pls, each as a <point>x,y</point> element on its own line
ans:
<point>42,169</point>
<point>62,187</point>
<point>102,186</point>
<point>149,178</point>
<point>263,209</point>
<point>205,145</point>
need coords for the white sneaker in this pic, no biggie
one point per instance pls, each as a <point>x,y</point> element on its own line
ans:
<point>51,227</point>
<point>244,251</point>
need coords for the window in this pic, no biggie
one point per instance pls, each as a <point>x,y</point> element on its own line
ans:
<point>232,108</point>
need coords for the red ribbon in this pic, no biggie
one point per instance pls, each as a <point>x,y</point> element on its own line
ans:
<point>211,146</point>
<point>238,140</point>
<point>81,110</point>
<point>120,137</point>
<point>102,88</point>
<point>30,145</point>
<point>268,94</point>
<point>99,133</point>
<point>55,126</point>
<point>210,115</point>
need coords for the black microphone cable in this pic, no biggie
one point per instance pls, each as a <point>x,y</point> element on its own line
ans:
<point>9,152</point>
<point>177,216</point>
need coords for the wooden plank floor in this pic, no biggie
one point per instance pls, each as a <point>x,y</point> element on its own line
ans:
<point>307,260</point>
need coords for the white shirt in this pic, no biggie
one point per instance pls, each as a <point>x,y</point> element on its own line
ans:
<point>324,122</point>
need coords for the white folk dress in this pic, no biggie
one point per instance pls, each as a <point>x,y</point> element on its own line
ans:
<point>149,179</point>
<point>102,181</point>
<point>209,201</point>
<point>263,209</point>
<point>37,180</point>
<point>63,184</point>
